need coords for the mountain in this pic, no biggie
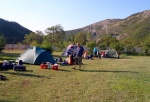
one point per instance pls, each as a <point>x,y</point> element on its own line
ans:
<point>135,28</point>
<point>12,31</point>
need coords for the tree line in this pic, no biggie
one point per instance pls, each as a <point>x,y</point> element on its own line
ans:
<point>55,36</point>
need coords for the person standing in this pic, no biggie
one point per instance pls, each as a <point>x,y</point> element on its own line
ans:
<point>95,51</point>
<point>98,53</point>
<point>70,53</point>
<point>79,53</point>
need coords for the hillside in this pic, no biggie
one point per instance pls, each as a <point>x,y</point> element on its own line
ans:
<point>13,31</point>
<point>134,28</point>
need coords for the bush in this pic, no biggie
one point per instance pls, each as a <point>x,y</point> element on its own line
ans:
<point>47,46</point>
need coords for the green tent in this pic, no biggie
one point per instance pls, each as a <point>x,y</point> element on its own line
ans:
<point>111,53</point>
<point>36,55</point>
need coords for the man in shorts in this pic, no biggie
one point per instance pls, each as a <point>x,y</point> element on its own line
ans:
<point>78,58</point>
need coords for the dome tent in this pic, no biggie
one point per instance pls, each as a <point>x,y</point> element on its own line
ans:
<point>111,53</point>
<point>36,55</point>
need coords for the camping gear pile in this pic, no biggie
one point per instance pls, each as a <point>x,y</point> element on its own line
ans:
<point>6,65</point>
<point>45,65</point>
<point>48,65</point>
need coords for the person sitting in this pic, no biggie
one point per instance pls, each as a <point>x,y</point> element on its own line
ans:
<point>65,62</point>
<point>85,55</point>
<point>5,62</point>
<point>103,54</point>
<point>90,57</point>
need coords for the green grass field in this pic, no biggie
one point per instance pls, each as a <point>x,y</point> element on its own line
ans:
<point>100,80</point>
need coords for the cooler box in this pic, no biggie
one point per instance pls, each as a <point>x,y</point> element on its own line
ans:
<point>54,67</point>
<point>43,66</point>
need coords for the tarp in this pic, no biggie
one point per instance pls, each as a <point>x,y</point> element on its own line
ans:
<point>36,55</point>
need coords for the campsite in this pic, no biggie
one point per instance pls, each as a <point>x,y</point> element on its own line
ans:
<point>100,80</point>
<point>75,51</point>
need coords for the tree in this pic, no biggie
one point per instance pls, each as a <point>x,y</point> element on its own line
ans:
<point>102,46</point>
<point>108,41</point>
<point>146,48</point>
<point>2,42</point>
<point>128,45</point>
<point>89,37</point>
<point>90,45</point>
<point>80,38</point>
<point>55,35</point>
<point>118,47</point>
<point>33,38</point>
<point>47,46</point>
<point>39,32</point>
<point>70,38</point>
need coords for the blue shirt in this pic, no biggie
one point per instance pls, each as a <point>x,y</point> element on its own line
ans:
<point>95,50</point>
<point>79,51</point>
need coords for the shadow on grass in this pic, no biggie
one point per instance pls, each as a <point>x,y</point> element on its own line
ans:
<point>6,101</point>
<point>64,70</point>
<point>28,71</point>
<point>125,57</point>
<point>107,71</point>
<point>70,64</point>
<point>12,69</point>
<point>8,56</point>
<point>23,74</point>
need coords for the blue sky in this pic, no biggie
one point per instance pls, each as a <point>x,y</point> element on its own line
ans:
<point>70,14</point>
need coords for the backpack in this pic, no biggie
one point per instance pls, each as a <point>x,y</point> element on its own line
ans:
<point>2,77</point>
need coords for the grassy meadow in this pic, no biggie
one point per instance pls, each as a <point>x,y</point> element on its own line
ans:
<point>100,80</point>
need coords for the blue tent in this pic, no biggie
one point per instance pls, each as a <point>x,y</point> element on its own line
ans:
<point>36,55</point>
